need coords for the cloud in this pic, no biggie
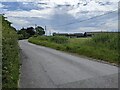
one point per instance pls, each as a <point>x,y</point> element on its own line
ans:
<point>94,7</point>
<point>105,22</point>
<point>31,13</point>
<point>19,22</point>
<point>1,5</point>
<point>54,13</point>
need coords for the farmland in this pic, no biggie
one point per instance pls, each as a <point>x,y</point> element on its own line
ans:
<point>101,46</point>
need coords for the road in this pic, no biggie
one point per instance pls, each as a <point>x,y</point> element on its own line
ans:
<point>43,67</point>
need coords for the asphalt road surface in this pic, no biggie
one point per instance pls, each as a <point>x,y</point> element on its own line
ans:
<point>43,67</point>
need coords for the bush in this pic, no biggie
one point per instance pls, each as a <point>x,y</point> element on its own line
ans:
<point>59,39</point>
<point>110,40</point>
<point>42,38</point>
<point>10,56</point>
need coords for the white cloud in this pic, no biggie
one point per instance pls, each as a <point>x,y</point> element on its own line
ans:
<point>111,25</point>
<point>25,3</point>
<point>19,21</point>
<point>18,0</point>
<point>1,5</point>
<point>77,8</point>
<point>1,8</point>
<point>58,1</point>
<point>32,13</point>
<point>107,0</point>
<point>94,6</point>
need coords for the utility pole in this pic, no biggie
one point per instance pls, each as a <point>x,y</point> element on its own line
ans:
<point>50,32</point>
<point>35,26</point>
<point>45,30</point>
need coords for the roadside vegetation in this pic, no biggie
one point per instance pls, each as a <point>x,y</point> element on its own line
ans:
<point>100,46</point>
<point>10,55</point>
<point>0,52</point>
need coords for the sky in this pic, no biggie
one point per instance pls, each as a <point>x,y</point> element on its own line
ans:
<point>63,16</point>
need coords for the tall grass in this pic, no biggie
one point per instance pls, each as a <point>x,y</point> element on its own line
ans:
<point>101,46</point>
<point>10,56</point>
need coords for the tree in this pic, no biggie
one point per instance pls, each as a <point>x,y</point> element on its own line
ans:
<point>30,31</point>
<point>40,30</point>
<point>26,33</point>
<point>23,34</point>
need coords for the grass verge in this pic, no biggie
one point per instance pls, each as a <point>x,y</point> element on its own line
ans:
<point>101,46</point>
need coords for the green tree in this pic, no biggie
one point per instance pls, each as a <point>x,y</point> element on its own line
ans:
<point>39,30</point>
<point>30,31</point>
<point>25,33</point>
<point>22,34</point>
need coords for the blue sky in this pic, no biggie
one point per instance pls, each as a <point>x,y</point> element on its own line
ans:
<point>62,15</point>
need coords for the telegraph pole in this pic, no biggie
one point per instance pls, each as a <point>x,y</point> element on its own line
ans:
<point>49,32</point>
<point>35,26</point>
<point>45,30</point>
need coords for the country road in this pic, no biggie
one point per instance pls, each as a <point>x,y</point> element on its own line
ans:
<point>48,68</point>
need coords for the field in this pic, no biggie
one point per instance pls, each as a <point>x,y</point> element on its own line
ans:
<point>101,46</point>
<point>10,56</point>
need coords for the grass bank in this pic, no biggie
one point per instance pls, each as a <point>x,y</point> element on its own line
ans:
<point>101,46</point>
<point>10,55</point>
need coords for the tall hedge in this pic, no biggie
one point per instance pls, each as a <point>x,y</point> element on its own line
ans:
<point>10,55</point>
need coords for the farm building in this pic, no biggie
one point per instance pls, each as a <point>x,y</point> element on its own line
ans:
<point>74,35</point>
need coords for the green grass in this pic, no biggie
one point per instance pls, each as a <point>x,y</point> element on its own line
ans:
<point>10,56</point>
<point>101,46</point>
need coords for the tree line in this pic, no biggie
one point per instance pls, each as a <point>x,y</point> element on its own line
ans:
<point>25,33</point>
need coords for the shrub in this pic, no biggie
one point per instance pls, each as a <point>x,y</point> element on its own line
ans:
<point>109,40</point>
<point>10,56</point>
<point>59,39</point>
